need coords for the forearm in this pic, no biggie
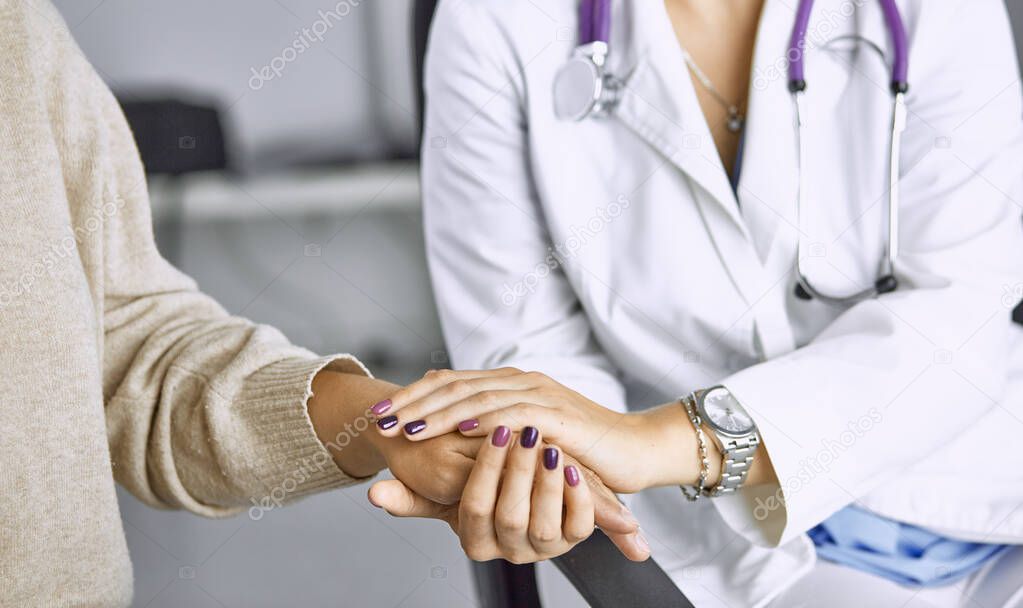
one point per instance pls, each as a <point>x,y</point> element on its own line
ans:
<point>339,411</point>
<point>670,437</point>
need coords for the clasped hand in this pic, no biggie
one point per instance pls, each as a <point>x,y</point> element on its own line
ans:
<point>522,499</point>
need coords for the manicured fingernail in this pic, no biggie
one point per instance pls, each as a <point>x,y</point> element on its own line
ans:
<point>550,458</point>
<point>387,422</point>
<point>501,436</point>
<point>415,426</point>
<point>468,425</point>
<point>641,542</point>
<point>528,437</point>
<point>572,476</point>
<point>381,407</point>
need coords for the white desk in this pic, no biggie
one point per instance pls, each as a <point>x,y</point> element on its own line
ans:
<point>214,195</point>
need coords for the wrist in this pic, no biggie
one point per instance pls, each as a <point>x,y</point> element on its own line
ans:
<point>339,412</point>
<point>675,447</point>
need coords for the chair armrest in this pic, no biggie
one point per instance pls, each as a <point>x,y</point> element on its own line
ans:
<point>606,579</point>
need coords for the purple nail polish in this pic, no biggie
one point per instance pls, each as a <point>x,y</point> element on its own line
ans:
<point>528,437</point>
<point>572,475</point>
<point>468,425</point>
<point>415,426</point>
<point>550,458</point>
<point>381,407</point>
<point>388,422</point>
<point>501,436</point>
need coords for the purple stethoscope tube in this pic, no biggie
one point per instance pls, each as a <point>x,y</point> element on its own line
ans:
<point>599,98</point>
<point>900,42</point>
<point>594,21</point>
<point>595,26</point>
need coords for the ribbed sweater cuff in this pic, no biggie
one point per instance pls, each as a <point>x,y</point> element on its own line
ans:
<point>291,462</point>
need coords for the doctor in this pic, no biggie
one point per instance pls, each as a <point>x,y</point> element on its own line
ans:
<point>803,217</point>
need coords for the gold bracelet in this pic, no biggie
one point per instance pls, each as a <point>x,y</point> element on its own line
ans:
<point>688,402</point>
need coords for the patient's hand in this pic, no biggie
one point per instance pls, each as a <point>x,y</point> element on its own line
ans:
<point>523,501</point>
<point>436,469</point>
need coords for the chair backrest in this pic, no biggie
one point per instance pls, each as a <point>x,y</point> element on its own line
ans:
<point>598,571</point>
<point>176,137</point>
<point>421,19</point>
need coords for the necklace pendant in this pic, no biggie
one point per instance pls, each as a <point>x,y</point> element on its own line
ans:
<point>734,123</point>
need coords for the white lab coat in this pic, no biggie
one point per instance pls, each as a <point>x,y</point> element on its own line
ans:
<point>910,404</point>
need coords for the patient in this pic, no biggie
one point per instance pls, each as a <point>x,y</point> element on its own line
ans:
<point>115,368</point>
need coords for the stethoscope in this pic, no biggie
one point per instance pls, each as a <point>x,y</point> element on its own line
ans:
<point>584,88</point>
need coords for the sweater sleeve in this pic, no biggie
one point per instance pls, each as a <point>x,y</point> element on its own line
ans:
<point>204,411</point>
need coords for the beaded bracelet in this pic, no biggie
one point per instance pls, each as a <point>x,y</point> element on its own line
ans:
<point>688,402</point>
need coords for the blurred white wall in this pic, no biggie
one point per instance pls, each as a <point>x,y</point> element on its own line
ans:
<point>349,96</point>
<point>346,93</point>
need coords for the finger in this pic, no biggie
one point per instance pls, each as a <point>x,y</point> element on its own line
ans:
<point>476,509</point>
<point>460,390</point>
<point>633,545</point>
<point>558,426</point>
<point>466,446</point>
<point>511,518</point>
<point>545,512</point>
<point>394,497</point>
<point>460,414</point>
<point>614,518</point>
<point>578,507</point>
<point>609,512</point>
<point>430,382</point>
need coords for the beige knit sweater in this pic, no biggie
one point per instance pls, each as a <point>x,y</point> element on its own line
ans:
<point>112,365</point>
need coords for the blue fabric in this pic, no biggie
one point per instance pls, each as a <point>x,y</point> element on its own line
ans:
<point>737,165</point>
<point>900,552</point>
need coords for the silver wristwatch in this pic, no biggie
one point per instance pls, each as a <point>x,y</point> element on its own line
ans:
<point>734,432</point>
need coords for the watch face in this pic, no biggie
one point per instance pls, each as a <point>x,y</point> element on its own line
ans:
<point>723,411</point>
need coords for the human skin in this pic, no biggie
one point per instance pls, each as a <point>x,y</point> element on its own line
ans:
<point>630,452</point>
<point>431,476</point>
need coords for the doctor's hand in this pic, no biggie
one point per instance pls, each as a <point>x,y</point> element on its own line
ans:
<point>630,452</point>
<point>523,502</point>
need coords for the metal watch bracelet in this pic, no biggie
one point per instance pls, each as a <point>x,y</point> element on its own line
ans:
<point>737,458</point>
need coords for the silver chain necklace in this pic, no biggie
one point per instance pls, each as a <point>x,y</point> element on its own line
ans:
<point>735,119</point>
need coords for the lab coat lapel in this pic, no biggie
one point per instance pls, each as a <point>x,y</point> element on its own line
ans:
<point>768,186</point>
<point>659,104</point>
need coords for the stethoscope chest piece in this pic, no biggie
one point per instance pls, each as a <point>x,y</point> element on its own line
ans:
<point>582,88</point>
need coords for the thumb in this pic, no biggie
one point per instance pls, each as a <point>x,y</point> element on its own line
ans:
<point>608,512</point>
<point>632,545</point>
<point>394,497</point>
<point>616,520</point>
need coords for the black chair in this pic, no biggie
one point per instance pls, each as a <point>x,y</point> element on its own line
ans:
<point>604,577</point>
<point>174,138</point>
